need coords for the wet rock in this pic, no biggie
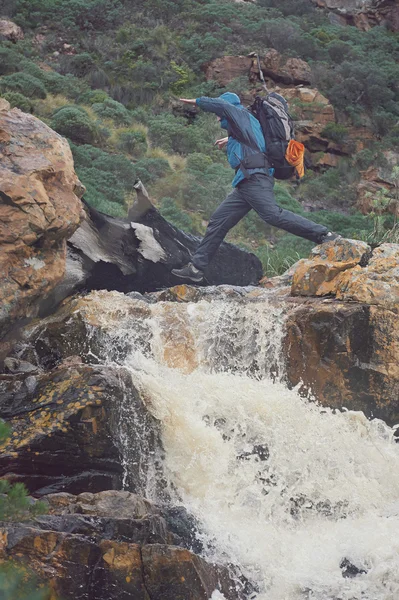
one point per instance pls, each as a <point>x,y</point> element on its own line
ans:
<point>184,527</point>
<point>39,210</point>
<point>189,577</point>
<point>68,432</point>
<point>345,354</point>
<point>349,569</point>
<point>87,558</point>
<point>138,254</point>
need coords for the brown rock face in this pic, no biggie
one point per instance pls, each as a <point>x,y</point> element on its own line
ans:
<point>376,179</point>
<point>316,276</point>
<point>10,31</point>
<point>291,71</point>
<point>111,546</point>
<point>346,355</point>
<point>39,210</point>
<point>364,14</point>
<point>349,270</point>
<point>223,70</point>
<point>67,427</point>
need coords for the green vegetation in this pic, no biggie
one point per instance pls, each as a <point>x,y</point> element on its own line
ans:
<point>111,92</point>
<point>15,505</point>
<point>16,583</point>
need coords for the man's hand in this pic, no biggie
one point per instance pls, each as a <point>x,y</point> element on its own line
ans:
<point>221,143</point>
<point>187,101</point>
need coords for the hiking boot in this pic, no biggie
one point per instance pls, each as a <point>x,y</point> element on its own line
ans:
<point>189,272</point>
<point>330,236</point>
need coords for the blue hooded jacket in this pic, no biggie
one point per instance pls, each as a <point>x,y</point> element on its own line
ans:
<point>244,130</point>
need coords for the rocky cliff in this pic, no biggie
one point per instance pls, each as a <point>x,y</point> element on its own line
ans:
<point>363,14</point>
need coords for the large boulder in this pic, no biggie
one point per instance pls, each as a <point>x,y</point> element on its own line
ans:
<point>350,270</point>
<point>291,71</point>
<point>345,356</point>
<point>343,347</point>
<point>111,546</point>
<point>39,210</point>
<point>10,31</point>
<point>68,430</point>
<point>138,254</point>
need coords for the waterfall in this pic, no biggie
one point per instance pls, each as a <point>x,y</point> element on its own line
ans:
<point>303,498</point>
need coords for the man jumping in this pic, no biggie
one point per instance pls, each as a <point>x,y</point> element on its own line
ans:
<point>252,187</point>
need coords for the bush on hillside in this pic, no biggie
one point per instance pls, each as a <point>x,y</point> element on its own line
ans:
<point>110,109</point>
<point>79,65</point>
<point>19,101</point>
<point>74,123</point>
<point>335,132</point>
<point>9,61</point>
<point>133,142</point>
<point>151,169</point>
<point>85,15</point>
<point>175,215</point>
<point>25,84</point>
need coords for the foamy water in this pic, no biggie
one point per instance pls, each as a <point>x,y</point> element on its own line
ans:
<point>283,488</point>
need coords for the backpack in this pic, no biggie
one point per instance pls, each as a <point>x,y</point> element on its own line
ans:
<point>278,130</point>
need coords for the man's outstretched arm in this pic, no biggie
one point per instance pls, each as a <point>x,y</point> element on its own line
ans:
<point>220,107</point>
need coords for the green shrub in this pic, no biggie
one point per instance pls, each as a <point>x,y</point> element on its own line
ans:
<point>17,583</point>
<point>93,97</point>
<point>74,123</point>
<point>25,84</point>
<point>335,132</point>
<point>133,142</point>
<point>9,61</point>
<point>151,169</point>
<point>15,504</point>
<point>79,65</point>
<point>175,215</point>
<point>19,101</point>
<point>110,109</point>
<point>108,178</point>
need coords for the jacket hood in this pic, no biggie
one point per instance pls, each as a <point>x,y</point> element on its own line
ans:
<point>231,98</point>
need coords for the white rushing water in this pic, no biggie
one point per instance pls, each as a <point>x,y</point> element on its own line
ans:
<point>283,488</point>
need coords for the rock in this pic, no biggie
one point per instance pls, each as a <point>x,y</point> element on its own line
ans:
<point>345,355</point>
<point>138,254</point>
<point>291,71</point>
<point>76,562</point>
<point>189,577</point>
<point>68,432</point>
<point>349,569</point>
<point>313,276</point>
<point>225,69</point>
<point>111,545</point>
<point>376,179</point>
<point>344,352</point>
<point>349,270</point>
<point>4,104</point>
<point>39,210</point>
<point>364,14</point>
<point>10,31</point>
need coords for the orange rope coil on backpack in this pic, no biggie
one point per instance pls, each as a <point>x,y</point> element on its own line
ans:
<point>295,155</point>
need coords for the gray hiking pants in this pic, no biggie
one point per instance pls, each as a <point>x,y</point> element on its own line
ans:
<point>257,193</point>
